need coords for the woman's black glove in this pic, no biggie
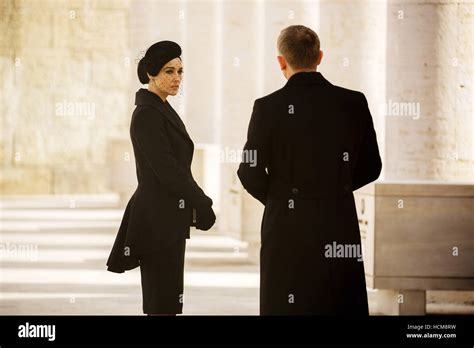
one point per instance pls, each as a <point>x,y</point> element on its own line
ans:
<point>205,218</point>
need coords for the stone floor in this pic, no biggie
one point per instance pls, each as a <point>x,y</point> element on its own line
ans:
<point>53,262</point>
<point>68,276</point>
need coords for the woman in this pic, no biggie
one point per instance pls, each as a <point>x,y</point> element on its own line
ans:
<point>167,201</point>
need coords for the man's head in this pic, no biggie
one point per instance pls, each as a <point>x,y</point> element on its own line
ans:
<point>298,48</point>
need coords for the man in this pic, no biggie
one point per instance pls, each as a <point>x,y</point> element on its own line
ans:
<point>314,144</point>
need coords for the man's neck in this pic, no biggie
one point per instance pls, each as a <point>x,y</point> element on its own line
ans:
<point>293,72</point>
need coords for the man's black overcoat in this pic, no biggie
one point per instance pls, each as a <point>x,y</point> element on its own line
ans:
<point>315,143</point>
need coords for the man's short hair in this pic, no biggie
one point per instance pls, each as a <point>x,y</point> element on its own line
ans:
<point>300,46</point>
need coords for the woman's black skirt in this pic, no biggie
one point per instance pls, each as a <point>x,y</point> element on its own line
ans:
<point>162,274</point>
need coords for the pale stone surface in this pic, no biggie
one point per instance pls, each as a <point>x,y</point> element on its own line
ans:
<point>63,270</point>
<point>82,178</point>
<point>416,236</point>
<point>121,173</point>
<point>240,74</point>
<point>64,72</point>
<point>394,302</point>
<point>202,70</point>
<point>19,180</point>
<point>428,60</point>
<point>85,52</point>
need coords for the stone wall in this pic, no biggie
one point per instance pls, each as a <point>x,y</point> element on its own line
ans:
<point>68,80</point>
<point>65,91</point>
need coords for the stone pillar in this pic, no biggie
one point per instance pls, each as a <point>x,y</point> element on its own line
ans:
<point>429,122</point>
<point>239,24</point>
<point>427,110</point>
<point>201,112</point>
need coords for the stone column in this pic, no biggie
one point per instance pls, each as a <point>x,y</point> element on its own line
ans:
<point>429,122</point>
<point>201,92</point>
<point>239,27</point>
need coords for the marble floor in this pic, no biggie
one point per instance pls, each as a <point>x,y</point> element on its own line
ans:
<point>53,263</point>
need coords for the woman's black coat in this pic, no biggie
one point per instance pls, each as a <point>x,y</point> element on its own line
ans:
<point>160,210</point>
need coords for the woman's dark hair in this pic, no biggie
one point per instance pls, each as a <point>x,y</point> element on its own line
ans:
<point>142,70</point>
<point>155,58</point>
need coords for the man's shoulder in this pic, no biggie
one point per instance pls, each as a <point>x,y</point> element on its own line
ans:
<point>332,89</point>
<point>269,98</point>
<point>347,93</point>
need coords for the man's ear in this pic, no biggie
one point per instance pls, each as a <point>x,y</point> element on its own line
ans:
<point>282,62</point>
<point>319,58</point>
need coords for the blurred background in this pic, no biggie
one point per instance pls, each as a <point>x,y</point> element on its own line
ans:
<point>68,83</point>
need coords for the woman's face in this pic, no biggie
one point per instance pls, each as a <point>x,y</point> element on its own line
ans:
<point>170,76</point>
